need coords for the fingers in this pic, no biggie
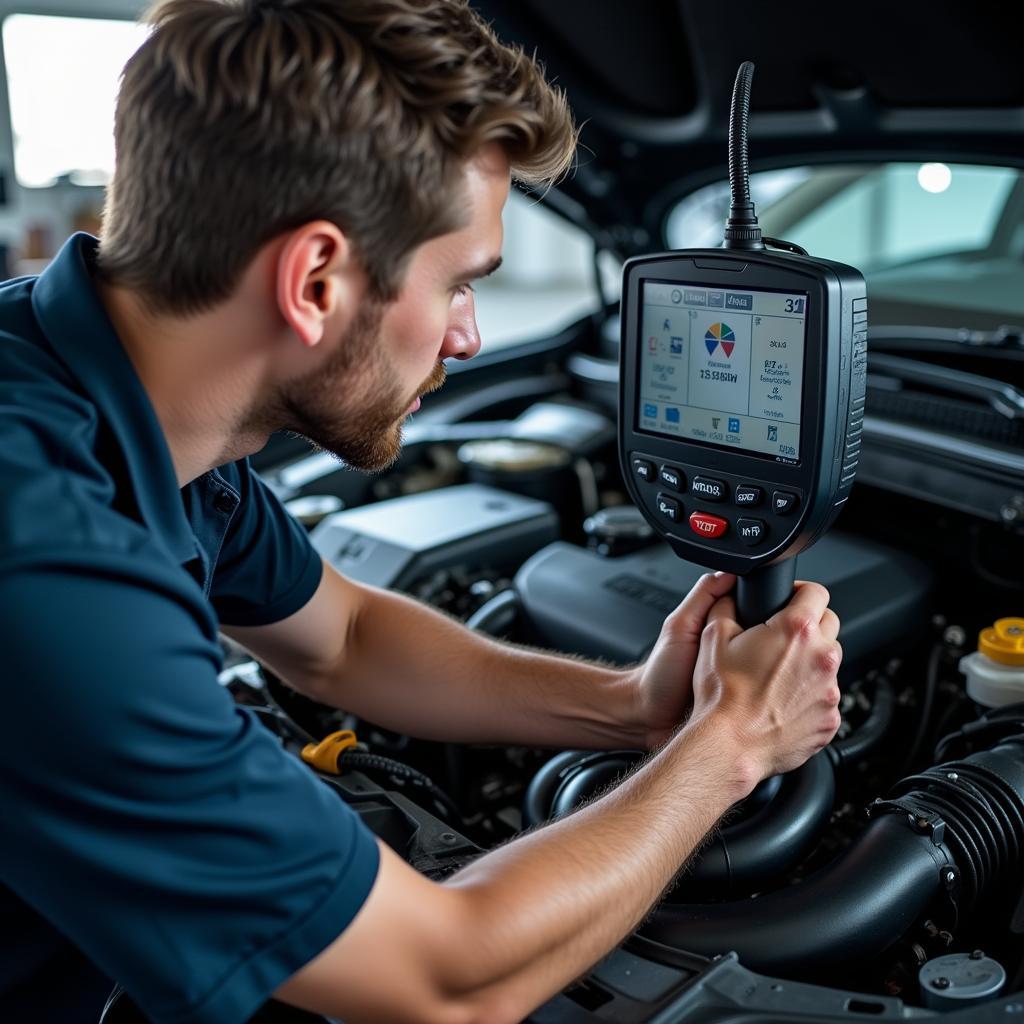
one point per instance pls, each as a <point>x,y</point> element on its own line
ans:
<point>692,612</point>
<point>722,618</point>
<point>805,610</point>
<point>829,624</point>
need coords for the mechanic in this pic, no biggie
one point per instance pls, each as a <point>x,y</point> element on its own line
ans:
<point>305,190</point>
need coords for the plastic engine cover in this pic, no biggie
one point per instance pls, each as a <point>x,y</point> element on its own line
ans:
<point>578,602</point>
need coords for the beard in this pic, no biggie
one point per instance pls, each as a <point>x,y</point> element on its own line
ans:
<point>353,407</point>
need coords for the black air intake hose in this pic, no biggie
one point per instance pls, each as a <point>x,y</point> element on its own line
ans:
<point>958,828</point>
<point>772,830</point>
<point>980,801</point>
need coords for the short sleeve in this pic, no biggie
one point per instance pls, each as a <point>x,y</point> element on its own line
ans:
<point>267,568</point>
<point>153,822</point>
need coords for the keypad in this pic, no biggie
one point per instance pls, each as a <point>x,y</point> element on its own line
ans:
<point>716,509</point>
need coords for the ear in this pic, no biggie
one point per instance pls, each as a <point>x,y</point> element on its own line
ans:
<point>314,279</point>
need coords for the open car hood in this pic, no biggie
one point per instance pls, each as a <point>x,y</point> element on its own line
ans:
<point>651,82</point>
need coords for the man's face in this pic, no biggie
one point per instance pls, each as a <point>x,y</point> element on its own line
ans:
<point>356,402</point>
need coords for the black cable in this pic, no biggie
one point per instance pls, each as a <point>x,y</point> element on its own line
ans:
<point>739,127</point>
<point>741,229</point>
<point>930,688</point>
<point>991,727</point>
<point>359,760</point>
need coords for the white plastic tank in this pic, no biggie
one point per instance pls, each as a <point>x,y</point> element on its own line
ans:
<point>995,671</point>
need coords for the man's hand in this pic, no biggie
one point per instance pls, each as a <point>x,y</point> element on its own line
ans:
<point>664,681</point>
<point>774,685</point>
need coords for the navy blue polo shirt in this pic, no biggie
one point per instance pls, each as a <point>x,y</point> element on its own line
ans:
<point>149,827</point>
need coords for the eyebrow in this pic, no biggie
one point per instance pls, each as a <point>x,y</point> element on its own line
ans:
<point>485,270</point>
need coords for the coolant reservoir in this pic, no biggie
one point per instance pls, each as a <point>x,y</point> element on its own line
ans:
<point>995,671</point>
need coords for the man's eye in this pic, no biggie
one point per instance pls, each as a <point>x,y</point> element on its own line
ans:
<point>463,288</point>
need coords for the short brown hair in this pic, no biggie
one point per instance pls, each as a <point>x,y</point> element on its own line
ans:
<point>238,120</point>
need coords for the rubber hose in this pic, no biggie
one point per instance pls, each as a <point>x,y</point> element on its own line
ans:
<point>855,746</point>
<point>497,615</point>
<point>964,815</point>
<point>856,907</point>
<point>780,821</point>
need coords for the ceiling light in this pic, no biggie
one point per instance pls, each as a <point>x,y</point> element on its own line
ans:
<point>934,177</point>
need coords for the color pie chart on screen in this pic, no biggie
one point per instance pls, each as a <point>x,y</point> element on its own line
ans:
<point>720,335</point>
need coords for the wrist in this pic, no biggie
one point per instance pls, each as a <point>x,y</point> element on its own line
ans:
<point>636,722</point>
<point>713,739</point>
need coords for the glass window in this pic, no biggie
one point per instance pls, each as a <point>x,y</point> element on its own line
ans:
<point>546,279</point>
<point>62,77</point>
<point>936,242</point>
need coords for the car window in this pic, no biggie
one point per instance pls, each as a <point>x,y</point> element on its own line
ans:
<point>937,242</point>
<point>546,279</point>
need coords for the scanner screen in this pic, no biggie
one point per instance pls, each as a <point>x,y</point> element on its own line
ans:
<point>723,367</point>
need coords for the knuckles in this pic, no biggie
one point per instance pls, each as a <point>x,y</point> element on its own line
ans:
<point>800,626</point>
<point>712,631</point>
<point>829,660</point>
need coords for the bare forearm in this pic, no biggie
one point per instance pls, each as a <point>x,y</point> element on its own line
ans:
<point>588,880</point>
<point>416,671</point>
<point>520,923</point>
<point>515,926</point>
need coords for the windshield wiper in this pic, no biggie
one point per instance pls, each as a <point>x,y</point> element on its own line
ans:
<point>1003,398</point>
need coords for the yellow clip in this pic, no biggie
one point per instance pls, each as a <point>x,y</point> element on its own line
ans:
<point>323,756</point>
<point>1004,642</point>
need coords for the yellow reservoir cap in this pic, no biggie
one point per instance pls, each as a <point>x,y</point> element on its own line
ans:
<point>324,755</point>
<point>1003,642</point>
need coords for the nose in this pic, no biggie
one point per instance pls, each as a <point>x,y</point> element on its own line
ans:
<point>461,336</point>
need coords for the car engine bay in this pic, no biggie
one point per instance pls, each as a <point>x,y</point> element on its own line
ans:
<point>884,877</point>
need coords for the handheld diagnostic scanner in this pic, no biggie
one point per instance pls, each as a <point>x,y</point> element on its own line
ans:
<point>742,381</point>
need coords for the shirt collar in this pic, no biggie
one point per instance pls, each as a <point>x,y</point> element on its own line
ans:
<point>75,322</point>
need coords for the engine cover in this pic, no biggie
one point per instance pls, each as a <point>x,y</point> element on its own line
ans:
<point>579,602</point>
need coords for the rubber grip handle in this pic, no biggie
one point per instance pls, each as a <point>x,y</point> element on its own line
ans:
<point>763,592</point>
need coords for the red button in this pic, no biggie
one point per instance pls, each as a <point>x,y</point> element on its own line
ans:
<point>708,526</point>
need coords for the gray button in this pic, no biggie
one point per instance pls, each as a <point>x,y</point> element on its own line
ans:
<point>693,298</point>
<point>643,469</point>
<point>751,531</point>
<point>708,489</point>
<point>671,477</point>
<point>716,300</point>
<point>783,502</point>
<point>669,508</point>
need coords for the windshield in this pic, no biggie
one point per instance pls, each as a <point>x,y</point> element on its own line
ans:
<point>939,244</point>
